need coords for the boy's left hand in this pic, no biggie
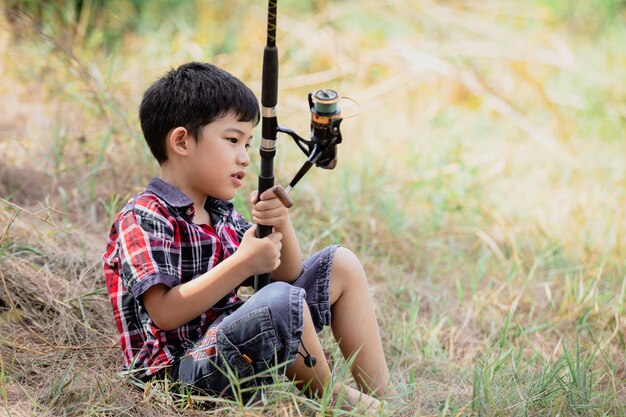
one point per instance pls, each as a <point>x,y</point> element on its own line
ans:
<point>269,211</point>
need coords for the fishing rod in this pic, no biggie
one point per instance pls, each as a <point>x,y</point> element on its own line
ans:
<point>320,149</point>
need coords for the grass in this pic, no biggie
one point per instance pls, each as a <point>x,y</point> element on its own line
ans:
<point>481,184</point>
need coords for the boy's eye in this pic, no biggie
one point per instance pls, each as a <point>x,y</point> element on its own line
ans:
<point>233,140</point>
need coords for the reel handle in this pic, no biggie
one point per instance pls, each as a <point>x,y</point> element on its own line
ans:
<point>282,195</point>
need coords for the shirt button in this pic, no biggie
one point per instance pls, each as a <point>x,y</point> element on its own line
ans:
<point>130,201</point>
<point>189,211</point>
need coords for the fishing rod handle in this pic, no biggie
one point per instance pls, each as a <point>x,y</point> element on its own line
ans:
<point>266,181</point>
<point>269,124</point>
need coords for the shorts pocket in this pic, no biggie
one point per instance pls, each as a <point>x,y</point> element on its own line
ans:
<point>235,369</point>
<point>228,374</point>
<point>254,336</point>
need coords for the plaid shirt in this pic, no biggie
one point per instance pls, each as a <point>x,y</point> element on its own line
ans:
<point>154,241</point>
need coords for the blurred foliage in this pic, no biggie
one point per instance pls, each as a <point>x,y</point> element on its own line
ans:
<point>115,18</point>
<point>484,174</point>
<point>586,15</point>
<point>91,22</point>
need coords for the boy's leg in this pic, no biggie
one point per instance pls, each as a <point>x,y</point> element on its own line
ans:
<point>335,282</point>
<point>354,322</point>
<point>264,331</point>
<point>316,379</point>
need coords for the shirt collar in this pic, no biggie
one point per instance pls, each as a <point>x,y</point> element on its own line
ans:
<point>221,207</point>
<point>168,193</point>
<point>177,199</point>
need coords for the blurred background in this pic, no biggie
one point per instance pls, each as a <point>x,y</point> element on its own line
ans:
<point>481,180</point>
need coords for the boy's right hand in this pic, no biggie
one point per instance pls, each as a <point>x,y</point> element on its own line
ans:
<point>260,255</point>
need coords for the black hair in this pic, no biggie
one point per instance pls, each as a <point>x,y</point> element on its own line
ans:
<point>192,96</point>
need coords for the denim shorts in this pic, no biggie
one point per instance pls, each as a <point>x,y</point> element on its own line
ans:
<point>244,348</point>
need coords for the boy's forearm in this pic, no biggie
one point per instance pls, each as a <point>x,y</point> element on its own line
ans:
<point>171,308</point>
<point>290,255</point>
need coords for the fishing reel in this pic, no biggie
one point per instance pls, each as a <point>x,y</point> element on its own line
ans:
<point>325,121</point>
<point>321,148</point>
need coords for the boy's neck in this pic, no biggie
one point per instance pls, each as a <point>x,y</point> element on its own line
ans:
<point>198,199</point>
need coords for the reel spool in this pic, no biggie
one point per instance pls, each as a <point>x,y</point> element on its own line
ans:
<point>325,121</point>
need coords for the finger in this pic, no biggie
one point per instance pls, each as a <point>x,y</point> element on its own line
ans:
<point>254,196</point>
<point>275,237</point>
<point>268,194</point>
<point>270,213</point>
<point>268,204</point>
<point>267,222</point>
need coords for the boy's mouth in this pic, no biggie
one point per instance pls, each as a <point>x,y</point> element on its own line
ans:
<point>237,178</point>
<point>239,175</point>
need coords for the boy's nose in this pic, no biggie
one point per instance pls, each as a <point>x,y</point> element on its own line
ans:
<point>244,159</point>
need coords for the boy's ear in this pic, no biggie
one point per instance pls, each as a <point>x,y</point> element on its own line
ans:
<point>178,141</point>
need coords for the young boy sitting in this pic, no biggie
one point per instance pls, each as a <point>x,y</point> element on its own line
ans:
<point>177,254</point>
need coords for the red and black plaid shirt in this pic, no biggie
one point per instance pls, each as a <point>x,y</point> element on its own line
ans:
<point>154,241</point>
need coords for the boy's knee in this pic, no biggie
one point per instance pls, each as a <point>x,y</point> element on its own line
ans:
<point>285,303</point>
<point>267,325</point>
<point>347,265</point>
<point>275,293</point>
<point>347,259</point>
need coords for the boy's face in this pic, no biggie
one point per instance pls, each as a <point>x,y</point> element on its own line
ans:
<point>217,164</point>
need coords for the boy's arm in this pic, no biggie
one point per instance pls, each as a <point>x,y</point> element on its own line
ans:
<point>170,308</point>
<point>290,254</point>
<point>271,212</point>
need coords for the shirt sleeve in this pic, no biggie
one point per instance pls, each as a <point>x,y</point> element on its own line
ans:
<point>148,251</point>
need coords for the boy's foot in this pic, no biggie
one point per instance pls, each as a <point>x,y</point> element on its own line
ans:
<point>351,399</point>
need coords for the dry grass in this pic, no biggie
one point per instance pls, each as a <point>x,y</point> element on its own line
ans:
<point>482,185</point>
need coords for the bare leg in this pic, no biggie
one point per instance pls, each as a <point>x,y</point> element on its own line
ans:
<point>354,323</point>
<point>318,377</point>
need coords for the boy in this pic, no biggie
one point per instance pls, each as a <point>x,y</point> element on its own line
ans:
<point>178,252</point>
